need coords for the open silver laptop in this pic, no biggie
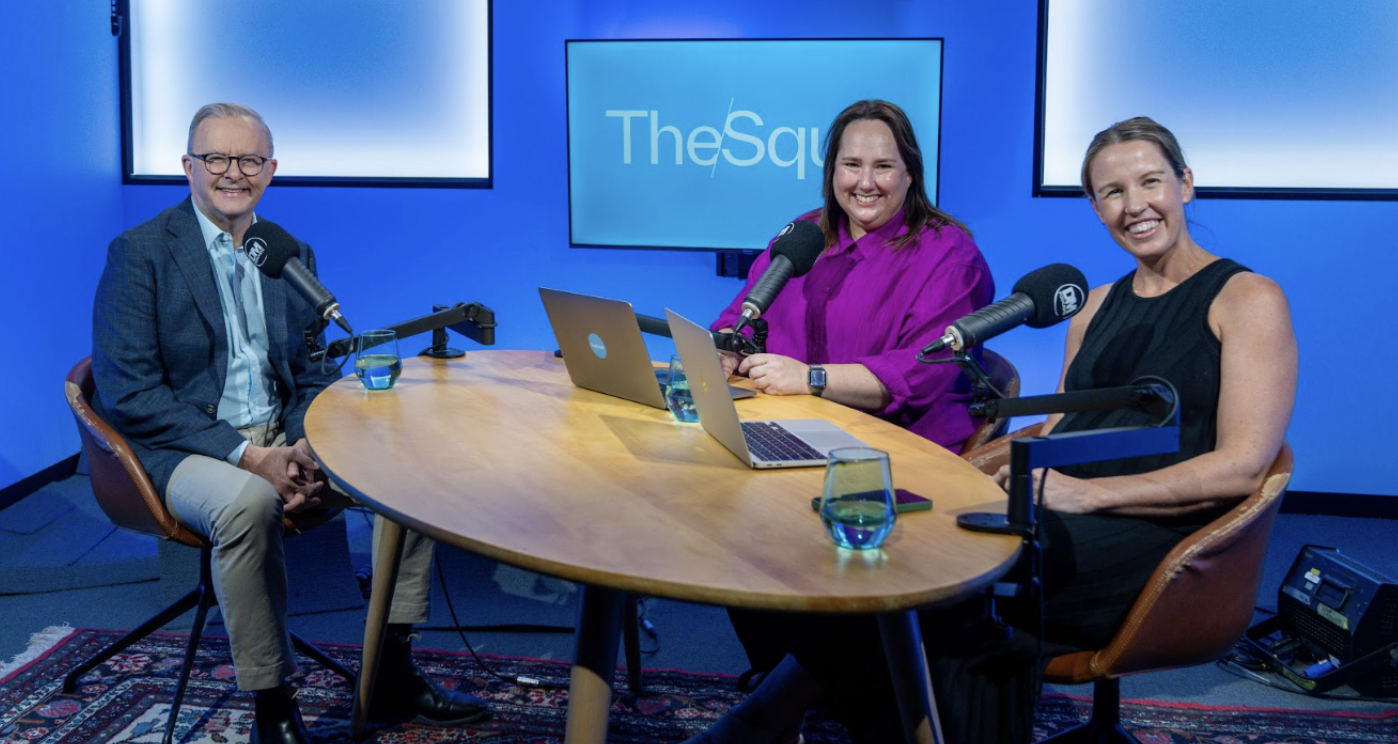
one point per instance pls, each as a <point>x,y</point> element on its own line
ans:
<point>603,349</point>
<point>790,443</point>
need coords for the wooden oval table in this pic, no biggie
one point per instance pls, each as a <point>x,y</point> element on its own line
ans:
<point>499,454</point>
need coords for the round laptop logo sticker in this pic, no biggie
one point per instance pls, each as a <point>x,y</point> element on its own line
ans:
<point>595,342</point>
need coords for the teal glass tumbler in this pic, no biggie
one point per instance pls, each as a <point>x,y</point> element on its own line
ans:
<point>677,396</point>
<point>376,359</point>
<point>857,504</point>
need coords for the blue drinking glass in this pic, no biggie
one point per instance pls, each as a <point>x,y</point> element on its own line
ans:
<point>857,504</point>
<point>376,359</point>
<point>677,396</point>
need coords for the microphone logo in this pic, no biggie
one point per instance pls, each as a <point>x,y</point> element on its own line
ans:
<point>789,227</point>
<point>257,251</point>
<point>1067,300</point>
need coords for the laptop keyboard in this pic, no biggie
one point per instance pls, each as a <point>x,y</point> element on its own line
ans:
<point>770,442</point>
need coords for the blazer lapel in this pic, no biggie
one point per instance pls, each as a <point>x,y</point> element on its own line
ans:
<point>188,253</point>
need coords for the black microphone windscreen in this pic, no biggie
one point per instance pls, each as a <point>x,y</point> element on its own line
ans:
<point>269,247</point>
<point>1058,291</point>
<point>802,243</point>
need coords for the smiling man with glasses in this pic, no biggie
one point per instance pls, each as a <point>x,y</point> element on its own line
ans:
<point>200,363</point>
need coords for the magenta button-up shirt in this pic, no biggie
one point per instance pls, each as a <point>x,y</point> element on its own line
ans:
<point>863,303</point>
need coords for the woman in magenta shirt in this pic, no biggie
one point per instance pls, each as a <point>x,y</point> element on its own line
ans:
<point>895,272</point>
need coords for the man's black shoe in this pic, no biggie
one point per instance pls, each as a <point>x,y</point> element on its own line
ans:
<point>277,718</point>
<point>404,691</point>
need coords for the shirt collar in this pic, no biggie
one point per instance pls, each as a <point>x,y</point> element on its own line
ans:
<point>211,232</point>
<point>873,242</point>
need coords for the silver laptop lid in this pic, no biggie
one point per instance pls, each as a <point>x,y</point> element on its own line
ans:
<point>719,416</point>
<point>708,384</point>
<point>602,346</point>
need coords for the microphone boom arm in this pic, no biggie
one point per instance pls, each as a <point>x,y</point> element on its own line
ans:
<point>472,320</point>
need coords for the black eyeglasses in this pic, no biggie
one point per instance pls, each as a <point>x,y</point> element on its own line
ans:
<point>216,163</point>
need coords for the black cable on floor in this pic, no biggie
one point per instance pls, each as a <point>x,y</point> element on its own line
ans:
<point>520,680</point>
<point>1233,664</point>
<point>646,626</point>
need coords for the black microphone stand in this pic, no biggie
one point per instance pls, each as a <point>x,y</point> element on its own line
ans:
<point>472,320</point>
<point>1152,395</point>
<point>735,342</point>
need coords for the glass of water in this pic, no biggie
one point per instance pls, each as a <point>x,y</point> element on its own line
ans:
<point>376,359</point>
<point>857,505</point>
<point>677,395</point>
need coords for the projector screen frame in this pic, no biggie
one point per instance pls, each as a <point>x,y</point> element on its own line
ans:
<point>121,28</point>
<point>1218,192</point>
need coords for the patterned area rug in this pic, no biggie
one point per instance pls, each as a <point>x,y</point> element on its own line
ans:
<point>127,700</point>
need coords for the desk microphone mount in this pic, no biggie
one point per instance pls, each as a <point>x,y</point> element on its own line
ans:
<point>472,320</point>
<point>735,342</point>
<point>1152,395</point>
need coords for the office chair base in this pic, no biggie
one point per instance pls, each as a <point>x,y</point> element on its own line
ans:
<point>200,598</point>
<point>179,607</point>
<point>1104,727</point>
<point>1090,734</point>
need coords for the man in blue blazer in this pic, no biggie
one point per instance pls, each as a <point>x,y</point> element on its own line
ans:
<point>200,362</point>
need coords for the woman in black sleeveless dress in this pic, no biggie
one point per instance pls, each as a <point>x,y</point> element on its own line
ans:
<point>1222,335</point>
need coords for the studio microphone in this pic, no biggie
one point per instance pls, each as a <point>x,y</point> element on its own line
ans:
<point>1041,298</point>
<point>275,253</point>
<point>794,252</point>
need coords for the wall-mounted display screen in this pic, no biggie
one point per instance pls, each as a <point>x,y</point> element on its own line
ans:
<point>715,144</point>
<point>1270,100</point>
<point>371,92</point>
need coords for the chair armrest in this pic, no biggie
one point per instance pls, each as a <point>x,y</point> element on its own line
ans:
<point>990,456</point>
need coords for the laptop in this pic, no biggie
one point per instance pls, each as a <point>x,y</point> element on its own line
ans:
<point>791,443</point>
<point>603,349</point>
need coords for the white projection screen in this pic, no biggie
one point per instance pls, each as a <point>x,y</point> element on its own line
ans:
<point>1271,98</point>
<point>370,92</point>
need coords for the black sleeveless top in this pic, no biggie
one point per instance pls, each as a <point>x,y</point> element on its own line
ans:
<point>1166,336</point>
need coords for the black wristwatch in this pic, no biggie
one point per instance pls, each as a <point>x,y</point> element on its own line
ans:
<point>817,380</point>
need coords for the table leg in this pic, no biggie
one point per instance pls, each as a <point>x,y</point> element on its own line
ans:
<point>594,665</point>
<point>388,557</point>
<point>902,644</point>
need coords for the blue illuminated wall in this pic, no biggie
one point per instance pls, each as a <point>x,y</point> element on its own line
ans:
<point>390,253</point>
<point>60,198</point>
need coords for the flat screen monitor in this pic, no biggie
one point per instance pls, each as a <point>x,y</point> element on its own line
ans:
<point>371,92</point>
<point>715,144</point>
<point>1290,100</point>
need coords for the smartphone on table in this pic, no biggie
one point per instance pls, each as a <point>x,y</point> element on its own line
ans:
<point>903,501</point>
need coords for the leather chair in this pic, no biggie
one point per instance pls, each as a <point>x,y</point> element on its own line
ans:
<point>1193,610</point>
<point>1005,378</point>
<point>126,494</point>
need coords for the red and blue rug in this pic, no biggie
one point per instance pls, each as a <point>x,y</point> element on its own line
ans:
<point>127,700</point>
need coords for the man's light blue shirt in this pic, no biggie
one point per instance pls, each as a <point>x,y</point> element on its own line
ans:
<point>249,387</point>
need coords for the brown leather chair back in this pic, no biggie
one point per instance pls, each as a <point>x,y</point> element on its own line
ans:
<point>1005,378</point>
<point>1200,598</point>
<point>121,485</point>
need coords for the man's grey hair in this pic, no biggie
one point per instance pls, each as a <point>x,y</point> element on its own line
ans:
<point>227,111</point>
